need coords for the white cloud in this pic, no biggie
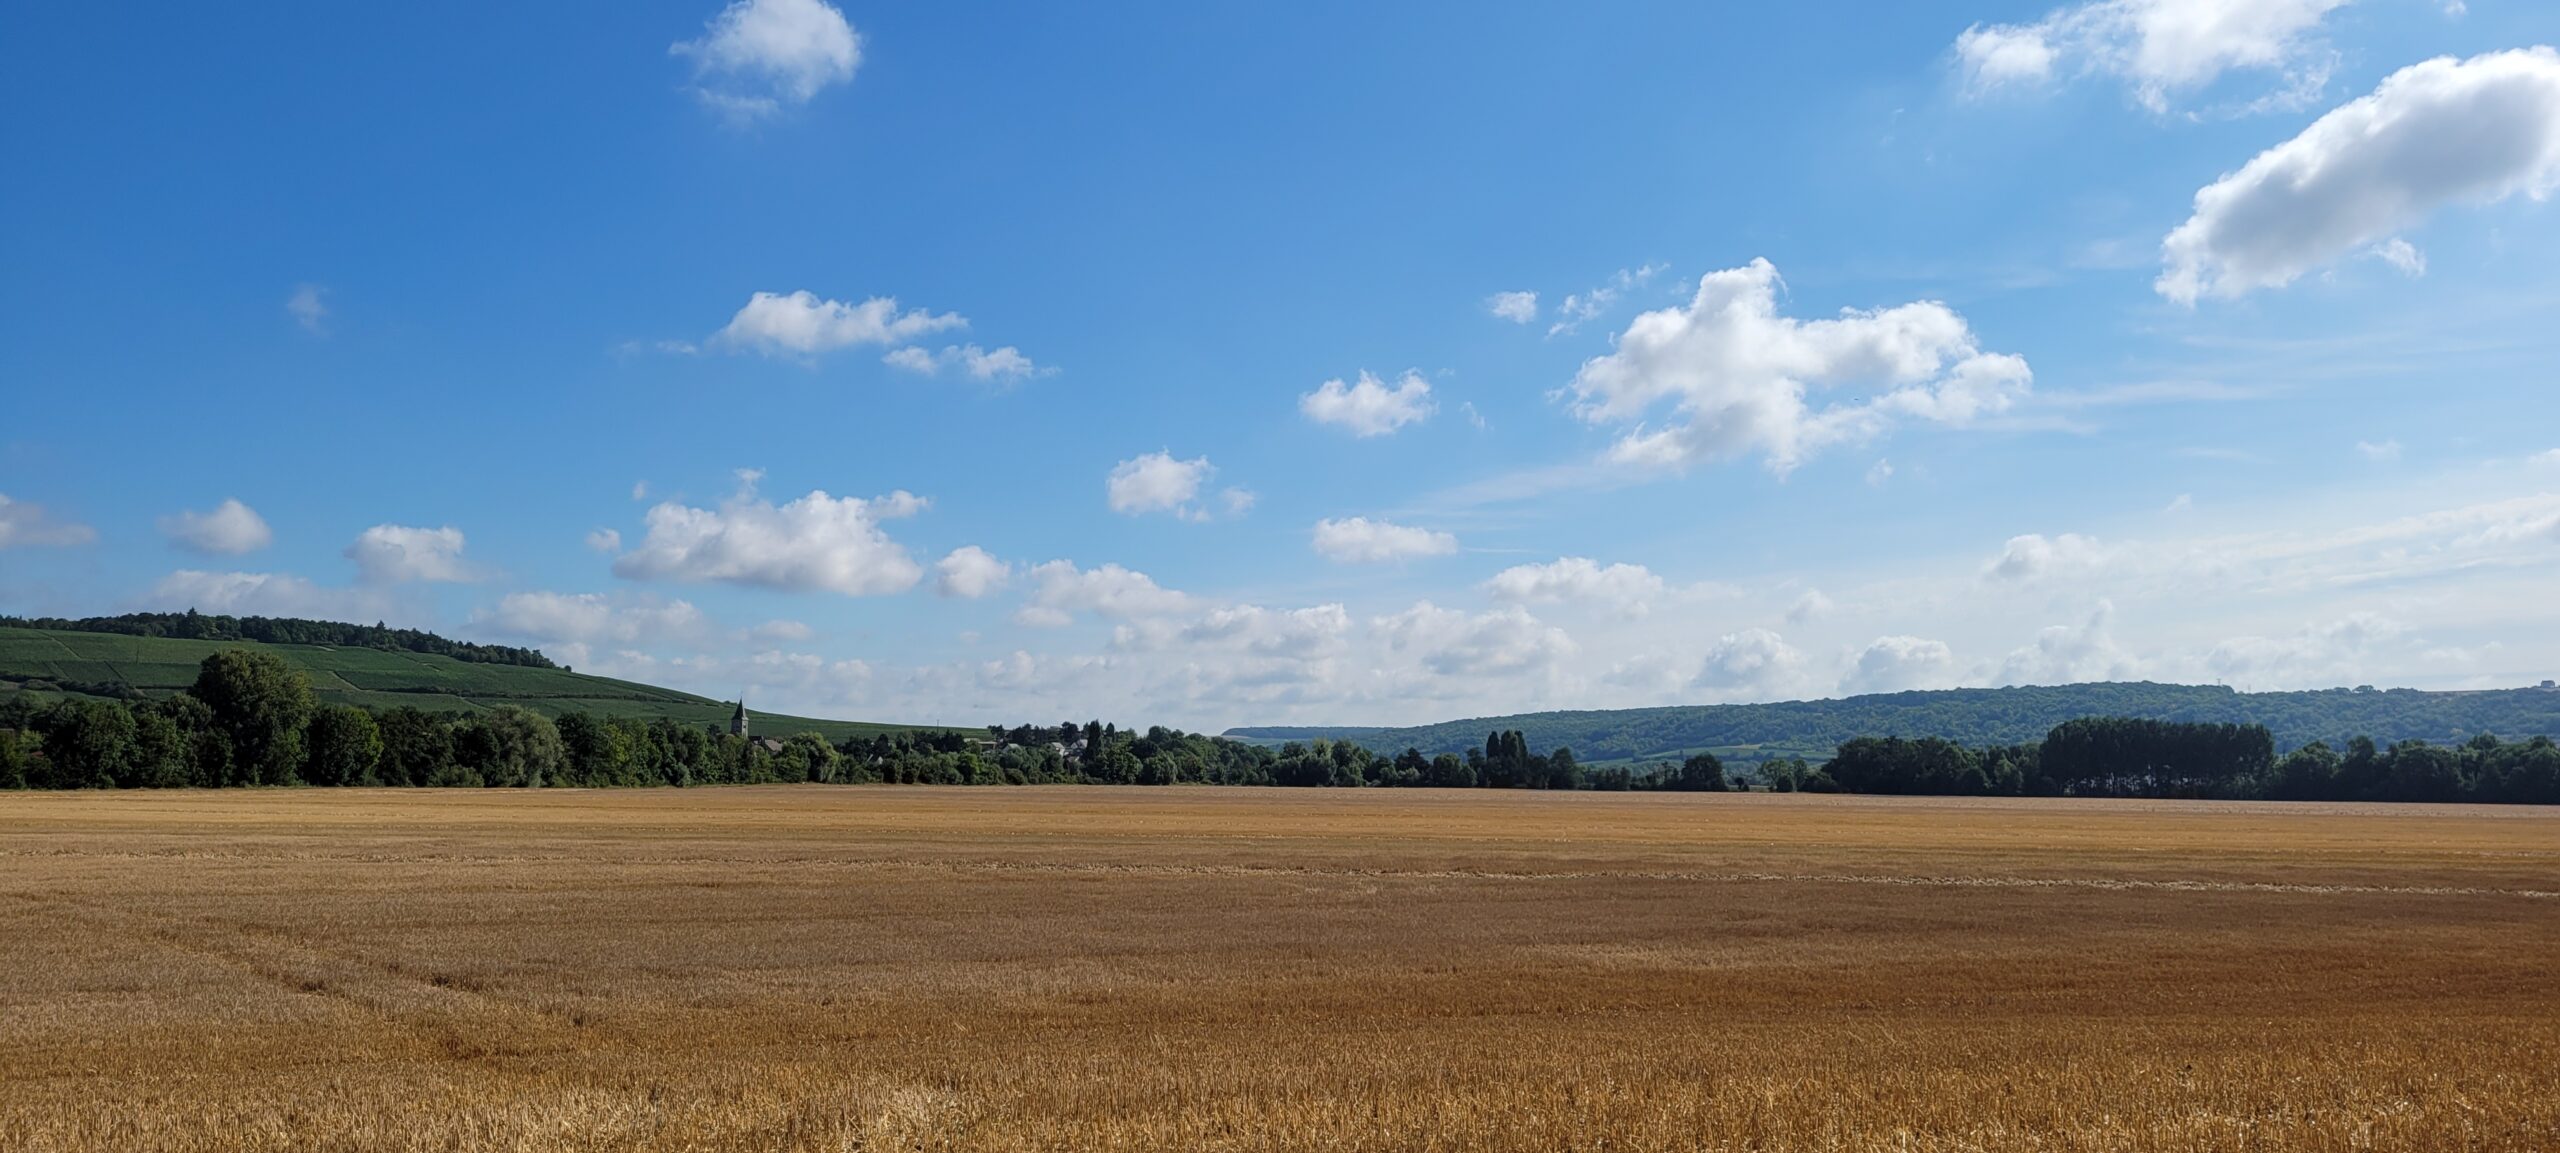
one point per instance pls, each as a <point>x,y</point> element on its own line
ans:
<point>1582,306</point>
<point>1752,662</point>
<point>230,529</point>
<point>2378,451</point>
<point>1369,407</point>
<point>592,619</point>
<point>2162,47</point>
<point>970,572</point>
<point>912,359</point>
<point>1516,307</point>
<point>2400,254</point>
<point>394,553</point>
<point>1359,540</point>
<point>1005,364</point>
<point>23,524</point>
<point>781,630</point>
<point>1897,663</point>
<point>1060,590</point>
<point>1156,482</point>
<point>801,323</point>
<point>2326,653</point>
<point>1812,606</point>
<point>1738,374</point>
<point>818,543</point>
<point>1879,472</point>
<point>757,55</point>
<point>2475,131</point>
<point>2005,54</point>
<point>605,540</point>
<point>266,594</point>
<point>2070,654</point>
<point>2035,556</point>
<point>1503,642</point>
<point>2547,458</point>
<point>309,307</point>
<point>1302,634</point>
<point>1627,588</point>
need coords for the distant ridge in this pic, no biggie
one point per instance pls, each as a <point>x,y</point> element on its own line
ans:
<point>1973,716</point>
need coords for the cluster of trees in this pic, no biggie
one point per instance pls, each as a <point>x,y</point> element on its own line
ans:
<point>194,626</point>
<point>2133,757</point>
<point>250,719</point>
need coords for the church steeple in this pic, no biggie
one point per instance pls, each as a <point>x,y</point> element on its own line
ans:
<point>738,720</point>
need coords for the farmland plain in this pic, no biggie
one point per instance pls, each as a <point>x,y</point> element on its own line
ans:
<point>811,968</point>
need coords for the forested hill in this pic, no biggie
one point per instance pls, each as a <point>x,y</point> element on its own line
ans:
<point>42,665</point>
<point>1974,716</point>
<point>195,626</point>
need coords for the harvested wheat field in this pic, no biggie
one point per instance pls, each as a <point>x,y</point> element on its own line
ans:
<point>790,968</point>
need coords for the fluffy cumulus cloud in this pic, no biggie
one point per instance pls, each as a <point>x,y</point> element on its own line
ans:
<point>1751,663</point>
<point>1897,663</point>
<point>1368,407</point>
<point>230,529</point>
<point>818,543</point>
<point>970,572</point>
<point>397,553</point>
<point>1305,633</point>
<point>1060,590</point>
<point>2320,654</point>
<point>1359,540</point>
<point>2035,556</point>
<point>1158,482</point>
<point>1450,642</point>
<point>1627,588</point>
<point>2070,654</point>
<point>1004,365</point>
<point>2161,47</point>
<point>755,56</point>
<point>1737,376</point>
<point>1516,307</point>
<point>25,524</point>
<point>592,619</point>
<point>2442,132</point>
<point>803,324</point>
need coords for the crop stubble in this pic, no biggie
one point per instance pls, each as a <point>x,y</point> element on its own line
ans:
<point>806,968</point>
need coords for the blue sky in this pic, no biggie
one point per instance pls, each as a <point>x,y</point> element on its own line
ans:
<point>2185,340</point>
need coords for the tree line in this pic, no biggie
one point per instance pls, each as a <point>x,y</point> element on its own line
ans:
<point>250,719</point>
<point>195,626</point>
<point>2019,714</point>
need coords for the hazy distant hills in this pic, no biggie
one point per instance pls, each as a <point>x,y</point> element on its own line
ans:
<point>1974,716</point>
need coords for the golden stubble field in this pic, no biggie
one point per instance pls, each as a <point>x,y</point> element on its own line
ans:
<point>788,968</point>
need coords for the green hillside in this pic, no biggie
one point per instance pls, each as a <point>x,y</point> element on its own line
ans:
<point>1812,729</point>
<point>48,663</point>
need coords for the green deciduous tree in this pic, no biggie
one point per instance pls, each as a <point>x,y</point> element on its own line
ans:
<point>262,704</point>
<point>345,745</point>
